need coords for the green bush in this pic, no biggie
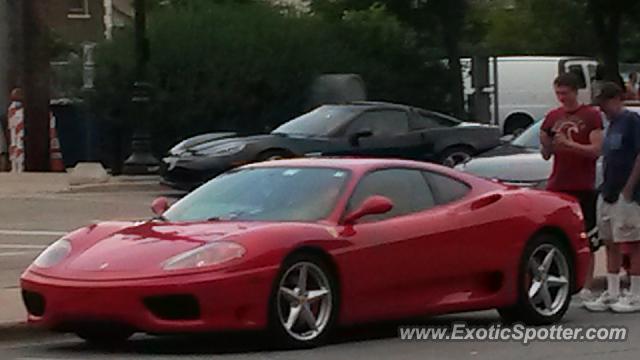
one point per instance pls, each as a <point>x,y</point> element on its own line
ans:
<point>244,66</point>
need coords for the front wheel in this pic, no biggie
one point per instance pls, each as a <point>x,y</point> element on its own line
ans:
<point>544,284</point>
<point>304,302</point>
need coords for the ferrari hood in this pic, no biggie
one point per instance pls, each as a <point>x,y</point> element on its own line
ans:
<point>140,250</point>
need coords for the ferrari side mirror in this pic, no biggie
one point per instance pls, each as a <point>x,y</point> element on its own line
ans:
<point>373,205</point>
<point>159,206</point>
<point>354,139</point>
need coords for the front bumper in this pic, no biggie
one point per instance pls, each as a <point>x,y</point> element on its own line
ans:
<point>188,174</point>
<point>223,302</point>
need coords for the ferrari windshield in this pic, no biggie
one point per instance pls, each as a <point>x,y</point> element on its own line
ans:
<point>321,122</point>
<point>264,194</point>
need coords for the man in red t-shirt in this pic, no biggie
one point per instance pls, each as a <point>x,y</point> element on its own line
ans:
<point>572,134</point>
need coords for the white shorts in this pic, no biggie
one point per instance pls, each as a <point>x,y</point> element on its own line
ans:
<point>619,222</point>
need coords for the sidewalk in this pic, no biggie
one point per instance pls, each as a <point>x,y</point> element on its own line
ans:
<point>38,183</point>
<point>11,308</point>
<point>31,183</point>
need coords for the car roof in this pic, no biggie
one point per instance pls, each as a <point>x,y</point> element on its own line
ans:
<point>335,162</point>
<point>357,164</point>
<point>378,104</point>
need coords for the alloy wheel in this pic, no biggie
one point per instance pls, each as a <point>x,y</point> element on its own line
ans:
<point>304,301</point>
<point>548,280</point>
<point>456,158</point>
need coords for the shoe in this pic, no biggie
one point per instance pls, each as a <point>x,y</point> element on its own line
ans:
<point>585,295</point>
<point>602,303</point>
<point>626,304</point>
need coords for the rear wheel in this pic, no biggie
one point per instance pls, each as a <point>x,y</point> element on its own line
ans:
<point>456,155</point>
<point>516,124</point>
<point>304,302</point>
<point>544,285</point>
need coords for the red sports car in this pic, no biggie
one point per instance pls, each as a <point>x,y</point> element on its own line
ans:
<point>302,246</point>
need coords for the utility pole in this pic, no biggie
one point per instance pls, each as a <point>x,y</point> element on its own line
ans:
<point>4,58</point>
<point>141,161</point>
<point>36,79</point>
<point>14,54</point>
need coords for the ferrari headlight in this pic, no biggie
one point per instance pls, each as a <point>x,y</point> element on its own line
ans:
<point>207,255</point>
<point>53,254</point>
<point>224,150</point>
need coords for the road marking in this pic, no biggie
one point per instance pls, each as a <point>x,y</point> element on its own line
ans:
<point>21,246</point>
<point>32,232</point>
<point>17,253</point>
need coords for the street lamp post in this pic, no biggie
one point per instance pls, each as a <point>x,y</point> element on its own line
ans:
<point>141,161</point>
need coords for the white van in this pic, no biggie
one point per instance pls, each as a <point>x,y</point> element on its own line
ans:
<point>525,86</point>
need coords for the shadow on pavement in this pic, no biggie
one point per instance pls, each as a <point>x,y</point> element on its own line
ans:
<point>252,342</point>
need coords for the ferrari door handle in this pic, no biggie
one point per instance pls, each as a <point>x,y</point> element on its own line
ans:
<point>485,201</point>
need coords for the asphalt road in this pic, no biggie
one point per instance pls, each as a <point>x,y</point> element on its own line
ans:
<point>29,222</point>
<point>377,341</point>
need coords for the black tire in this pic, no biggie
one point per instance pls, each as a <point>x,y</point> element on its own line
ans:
<point>524,311</point>
<point>277,331</point>
<point>105,336</point>
<point>273,155</point>
<point>516,124</point>
<point>455,155</point>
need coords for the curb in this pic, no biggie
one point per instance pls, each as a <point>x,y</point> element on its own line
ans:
<point>117,186</point>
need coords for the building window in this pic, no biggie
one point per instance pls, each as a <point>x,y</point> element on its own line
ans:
<point>79,9</point>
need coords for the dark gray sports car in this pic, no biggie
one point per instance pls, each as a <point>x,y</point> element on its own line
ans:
<point>369,129</point>
<point>518,162</point>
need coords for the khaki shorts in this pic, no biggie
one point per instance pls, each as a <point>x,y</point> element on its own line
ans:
<point>619,221</point>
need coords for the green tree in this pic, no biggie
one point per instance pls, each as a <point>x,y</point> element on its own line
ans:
<point>441,20</point>
<point>607,17</point>
<point>533,27</point>
<point>602,28</point>
<point>246,67</point>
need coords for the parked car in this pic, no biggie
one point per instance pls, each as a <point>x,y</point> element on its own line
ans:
<point>519,161</point>
<point>302,246</point>
<point>185,146</point>
<point>361,128</point>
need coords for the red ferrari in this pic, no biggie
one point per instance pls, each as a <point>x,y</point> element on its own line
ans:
<point>302,246</point>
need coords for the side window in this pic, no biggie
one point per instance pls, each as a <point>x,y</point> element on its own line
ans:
<point>381,122</point>
<point>406,188</point>
<point>445,189</point>
<point>579,73</point>
<point>426,120</point>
